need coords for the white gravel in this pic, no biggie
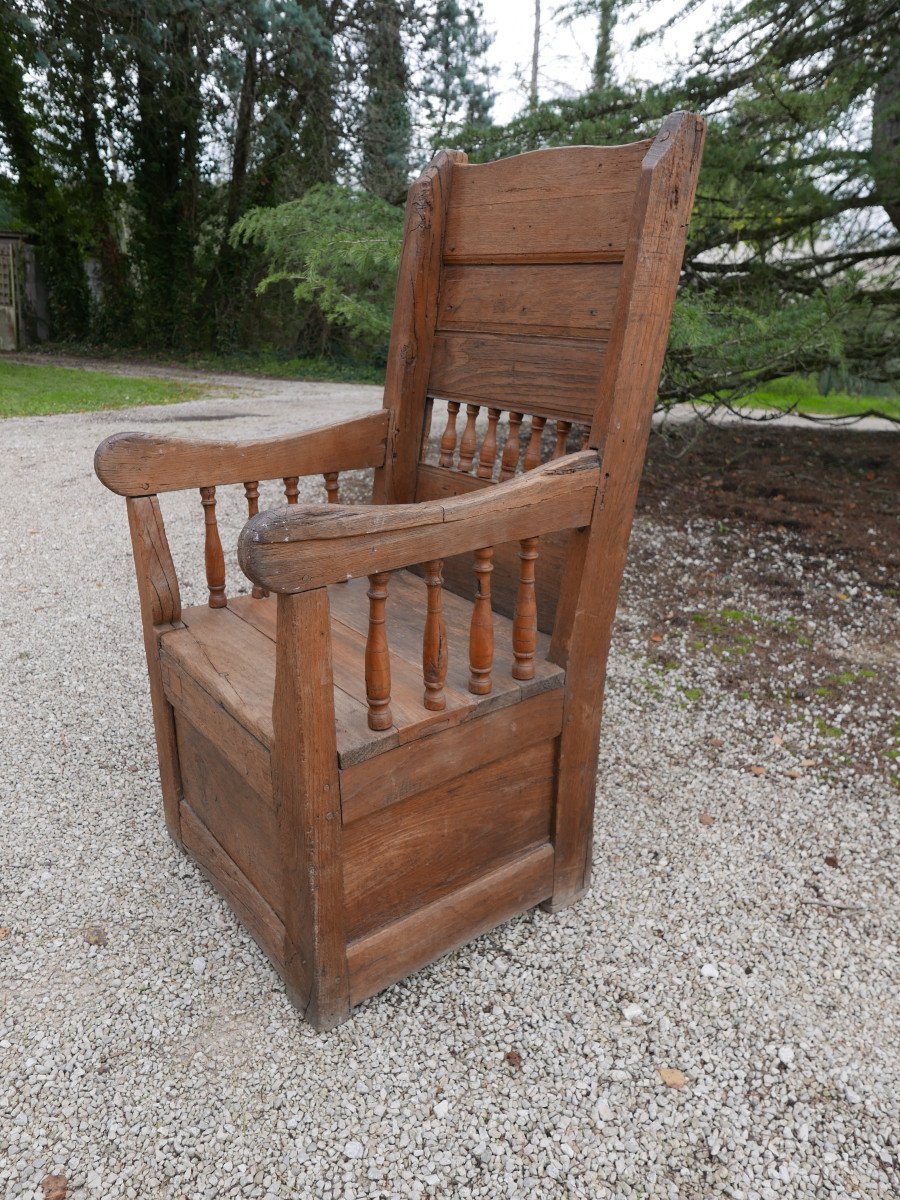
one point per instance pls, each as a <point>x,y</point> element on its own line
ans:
<point>147,1049</point>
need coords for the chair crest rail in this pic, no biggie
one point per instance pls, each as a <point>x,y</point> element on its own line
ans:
<point>303,547</point>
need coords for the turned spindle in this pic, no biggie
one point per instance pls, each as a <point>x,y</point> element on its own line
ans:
<point>524,631</point>
<point>291,488</point>
<point>378,662</point>
<point>512,449</point>
<point>563,428</point>
<point>251,491</point>
<point>331,486</point>
<point>489,446</point>
<point>481,630</point>
<point>212,550</point>
<point>434,642</point>
<point>469,439</point>
<point>533,452</point>
<point>448,438</point>
<point>426,429</point>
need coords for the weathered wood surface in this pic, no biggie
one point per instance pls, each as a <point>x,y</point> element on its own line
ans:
<point>134,464</point>
<point>291,550</point>
<point>412,330</point>
<point>160,603</point>
<point>574,301</point>
<point>539,286</point>
<point>390,953</point>
<point>219,667</point>
<point>380,782</point>
<point>466,822</point>
<point>308,803</point>
<point>256,914</point>
<point>555,377</point>
<point>621,425</point>
<point>570,204</point>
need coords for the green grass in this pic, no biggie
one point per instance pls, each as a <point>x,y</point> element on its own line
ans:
<point>802,394</point>
<point>29,391</point>
<point>280,367</point>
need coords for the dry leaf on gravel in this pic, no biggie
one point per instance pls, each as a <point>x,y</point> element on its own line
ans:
<point>54,1187</point>
<point>757,770</point>
<point>807,762</point>
<point>4,932</point>
<point>793,773</point>
<point>707,819</point>
<point>514,1058</point>
<point>672,1077</point>
<point>831,860</point>
<point>94,935</point>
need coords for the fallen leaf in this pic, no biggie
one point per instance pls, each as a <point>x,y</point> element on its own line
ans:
<point>54,1187</point>
<point>831,860</point>
<point>656,637</point>
<point>717,742</point>
<point>133,770</point>
<point>94,935</point>
<point>707,819</point>
<point>4,932</point>
<point>870,475</point>
<point>777,739</point>
<point>793,773</point>
<point>757,770</point>
<point>807,762</point>
<point>842,596</point>
<point>672,1077</point>
<point>514,1058</point>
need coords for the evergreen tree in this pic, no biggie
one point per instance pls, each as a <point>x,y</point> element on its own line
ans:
<point>386,127</point>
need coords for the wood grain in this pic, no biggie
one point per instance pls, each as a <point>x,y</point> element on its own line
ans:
<point>412,329</point>
<point>572,301</point>
<point>553,377</point>
<point>383,957</point>
<point>570,204</point>
<point>133,464</point>
<point>380,782</point>
<point>160,603</point>
<point>306,546</point>
<point>425,846</point>
<point>308,800</point>
<point>241,820</point>
<point>621,426</point>
<point>264,925</point>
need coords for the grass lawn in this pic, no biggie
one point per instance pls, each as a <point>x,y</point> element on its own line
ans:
<point>802,395</point>
<point>29,391</point>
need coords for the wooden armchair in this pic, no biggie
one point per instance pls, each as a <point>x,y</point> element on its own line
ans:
<point>373,775</point>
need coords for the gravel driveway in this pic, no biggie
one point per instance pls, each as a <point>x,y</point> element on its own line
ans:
<point>719,1018</point>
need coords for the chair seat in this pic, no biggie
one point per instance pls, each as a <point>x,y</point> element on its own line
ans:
<point>229,655</point>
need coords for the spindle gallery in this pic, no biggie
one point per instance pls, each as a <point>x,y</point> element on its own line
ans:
<point>390,745</point>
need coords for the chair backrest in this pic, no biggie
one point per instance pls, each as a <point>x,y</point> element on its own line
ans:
<point>527,289</point>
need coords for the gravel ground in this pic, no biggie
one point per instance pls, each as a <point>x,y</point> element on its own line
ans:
<point>719,1018</point>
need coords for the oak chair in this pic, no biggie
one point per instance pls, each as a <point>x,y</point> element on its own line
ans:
<point>390,745</point>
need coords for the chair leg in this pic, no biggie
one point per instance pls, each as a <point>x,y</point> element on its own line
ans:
<point>160,605</point>
<point>307,799</point>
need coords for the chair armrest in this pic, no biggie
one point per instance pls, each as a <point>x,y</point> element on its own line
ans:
<point>140,464</point>
<point>300,547</point>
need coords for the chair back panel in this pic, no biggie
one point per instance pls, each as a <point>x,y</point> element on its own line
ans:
<point>531,266</point>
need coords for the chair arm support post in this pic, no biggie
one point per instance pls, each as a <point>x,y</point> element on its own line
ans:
<point>308,546</point>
